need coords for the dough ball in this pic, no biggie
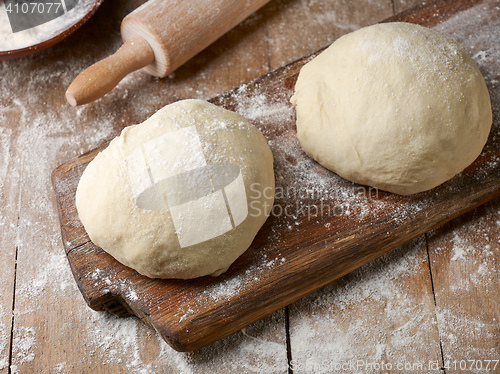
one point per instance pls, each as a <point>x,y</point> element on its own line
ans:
<point>181,195</point>
<point>395,106</point>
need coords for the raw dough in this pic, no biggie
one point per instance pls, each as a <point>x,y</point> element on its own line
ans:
<point>181,195</point>
<point>395,106</point>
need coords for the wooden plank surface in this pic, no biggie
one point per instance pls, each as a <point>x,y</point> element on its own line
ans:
<point>304,245</point>
<point>394,296</point>
<point>464,259</point>
<point>83,341</point>
<point>9,197</point>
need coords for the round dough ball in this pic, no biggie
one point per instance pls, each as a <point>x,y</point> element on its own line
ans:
<point>395,106</point>
<point>181,195</point>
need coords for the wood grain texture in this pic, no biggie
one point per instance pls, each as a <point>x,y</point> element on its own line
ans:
<point>435,12</point>
<point>9,197</point>
<point>393,294</point>
<point>464,258</point>
<point>288,38</point>
<point>293,254</point>
<point>403,5</point>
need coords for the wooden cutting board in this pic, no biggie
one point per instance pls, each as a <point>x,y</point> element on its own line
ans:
<point>322,226</point>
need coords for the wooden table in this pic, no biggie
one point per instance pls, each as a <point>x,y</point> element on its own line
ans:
<point>431,303</point>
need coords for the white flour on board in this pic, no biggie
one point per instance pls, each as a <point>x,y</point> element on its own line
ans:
<point>34,145</point>
<point>12,41</point>
<point>44,280</point>
<point>460,247</point>
<point>24,342</point>
<point>5,139</point>
<point>5,135</point>
<point>472,259</point>
<point>4,339</point>
<point>381,286</point>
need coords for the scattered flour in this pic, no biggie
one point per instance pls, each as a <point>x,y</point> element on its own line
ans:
<point>121,340</point>
<point>4,339</point>
<point>5,134</point>
<point>333,17</point>
<point>24,343</point>
<point>54,263</point>
<point>43,140</point>
<point>388,334</point>
<point>33,145</point>
<point>460,248</point>
<point>59,368</point>
<point>260,108</point>
<point>467,258</point>
<point>466,335</point>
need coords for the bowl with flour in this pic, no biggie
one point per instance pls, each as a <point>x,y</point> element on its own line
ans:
<point>43,35</point>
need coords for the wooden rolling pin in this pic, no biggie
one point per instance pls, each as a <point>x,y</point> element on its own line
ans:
<point>159,36</point>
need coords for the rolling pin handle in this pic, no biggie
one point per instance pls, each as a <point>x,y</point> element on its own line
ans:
<point>103,76</point>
